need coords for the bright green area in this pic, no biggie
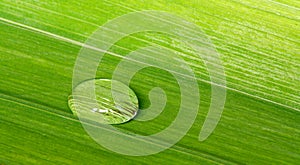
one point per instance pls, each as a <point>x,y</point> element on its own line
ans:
<point>259,45</point>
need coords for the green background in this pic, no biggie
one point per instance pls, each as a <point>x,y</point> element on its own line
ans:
<point>259,45</point>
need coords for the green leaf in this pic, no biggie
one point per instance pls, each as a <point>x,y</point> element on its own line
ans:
<point>258,42</point>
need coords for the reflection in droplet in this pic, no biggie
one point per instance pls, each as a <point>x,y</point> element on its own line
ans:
<point>100,106</point>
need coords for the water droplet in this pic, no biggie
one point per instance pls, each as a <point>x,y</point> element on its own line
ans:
<point>112,102</point>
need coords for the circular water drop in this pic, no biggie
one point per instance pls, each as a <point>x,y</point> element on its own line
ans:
<point>112,103</point>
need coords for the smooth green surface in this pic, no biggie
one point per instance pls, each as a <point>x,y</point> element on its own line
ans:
<point>259,45</point>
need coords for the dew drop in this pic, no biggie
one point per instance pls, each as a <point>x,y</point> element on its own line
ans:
<point>100,106</point>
